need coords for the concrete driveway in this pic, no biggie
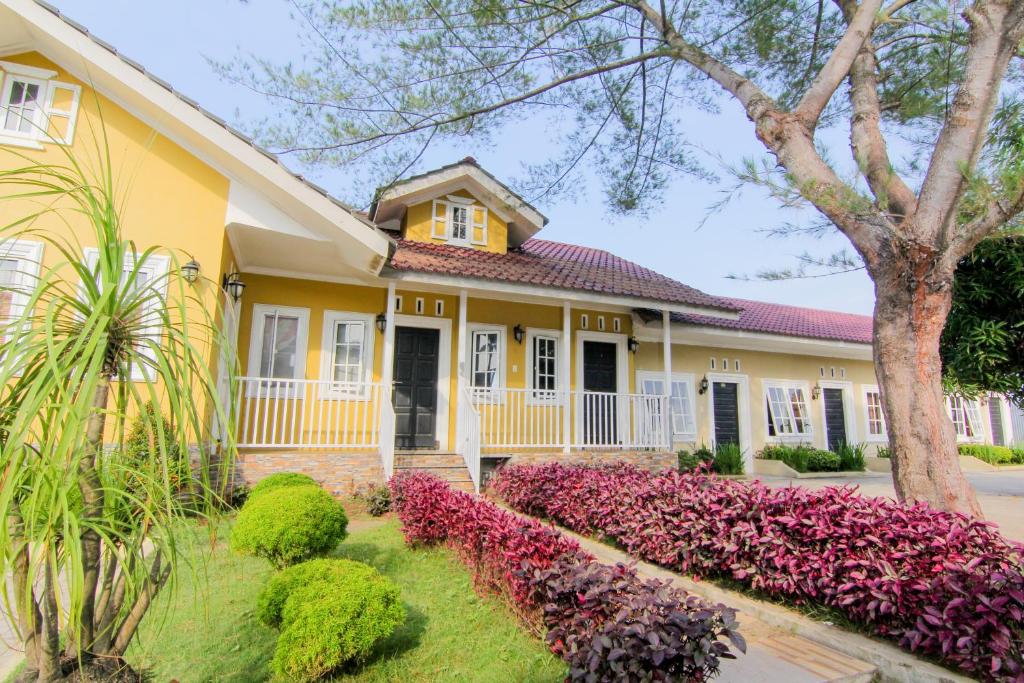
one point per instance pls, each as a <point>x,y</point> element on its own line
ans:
<point>1001,494</point>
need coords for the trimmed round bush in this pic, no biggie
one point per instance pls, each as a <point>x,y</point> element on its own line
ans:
<point>281,480</point>
<point>289,525</point>
<point>331,613</point>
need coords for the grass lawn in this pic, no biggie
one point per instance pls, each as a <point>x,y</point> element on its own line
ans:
<point>210,633</point>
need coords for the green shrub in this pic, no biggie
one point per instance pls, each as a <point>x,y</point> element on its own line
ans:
<point>691,461</point>
<point>378,500</point>
<point>823,461</point>
<point>1018,456</point>
<point>883,452</point>
<point>728,459</point>
<point>281,480</point>
<point>289,525</point>
<point>330,612</point>
<point>851,457</point>
<point>993,455</point>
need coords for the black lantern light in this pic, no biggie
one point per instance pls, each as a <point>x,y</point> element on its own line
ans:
<point>382,322</point>
<point>233,285</point>
<point>190,271</point>
<point>704,384</point>
<point>519,332</point>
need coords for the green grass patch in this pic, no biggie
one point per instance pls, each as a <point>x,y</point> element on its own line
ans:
<point>210,631</point>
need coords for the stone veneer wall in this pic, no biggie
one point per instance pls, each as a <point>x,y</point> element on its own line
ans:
<point>655,461</point>
<point>343,473</point>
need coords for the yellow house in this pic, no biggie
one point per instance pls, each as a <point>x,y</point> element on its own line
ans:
<point>435,330</point>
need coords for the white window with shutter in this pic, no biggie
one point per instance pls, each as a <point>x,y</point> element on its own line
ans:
<point>459,221</point>
<point>34,108</point>
<point>877,430</point>
<point>543,365</point>
<point>19,273</point>
<point>486,358</point>
<point>347,355</point>
<point>966,416</point>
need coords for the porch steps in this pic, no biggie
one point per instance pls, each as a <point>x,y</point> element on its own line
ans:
<point>443,464</point>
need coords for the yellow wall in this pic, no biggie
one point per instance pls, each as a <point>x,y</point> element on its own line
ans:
<point>168,197</point>
<point>758,366</point>
<point>418,221</point>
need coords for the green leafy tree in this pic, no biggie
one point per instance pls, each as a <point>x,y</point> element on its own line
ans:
<point>983,343</point>
<point>92,515</point>
<point>613,81</point>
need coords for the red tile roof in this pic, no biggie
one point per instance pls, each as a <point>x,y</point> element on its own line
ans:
<point>553,264</point>
<point>791,321</point>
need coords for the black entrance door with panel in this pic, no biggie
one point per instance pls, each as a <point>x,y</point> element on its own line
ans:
<point>415,394</point>
<point>599,375</point>
<point>727,413</point>
<point>835,418</point>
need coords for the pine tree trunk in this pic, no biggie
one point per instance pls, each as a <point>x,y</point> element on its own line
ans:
<point>910,313</point>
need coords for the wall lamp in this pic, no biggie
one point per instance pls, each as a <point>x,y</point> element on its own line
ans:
<point>633,344</point>
<point>190,271</point>
<point>382,322</point>
<point>816,392</point>
<point>704,384</point>
<point>519,332</point>
<point>233,285</point>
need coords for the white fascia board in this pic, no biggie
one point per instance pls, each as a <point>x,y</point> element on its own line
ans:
<point>494,289</point>
<point>187,126</point>
<point>693,335</point>
<point>248,207</point>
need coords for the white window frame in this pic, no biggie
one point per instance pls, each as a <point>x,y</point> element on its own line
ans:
<point>866,390</point>
<point>472,330</point>
<point>29,255</point>
<point>549,396</point>
<point>157,266</point>
<point>808,434</point>
<point>338,390</point>
<point>40,133</point>
<point>441,225</point>
<point>259,312</point>
<point>687,379</point>
<point>972,414</point>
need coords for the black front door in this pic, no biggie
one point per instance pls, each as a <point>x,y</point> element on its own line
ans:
<point>599,375</point>
<point>727,413</point>
<point>415,395</point>
<point>835,418</point>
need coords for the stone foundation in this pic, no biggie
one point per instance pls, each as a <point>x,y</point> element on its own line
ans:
<point>649,460</point>
<point>343,473</point>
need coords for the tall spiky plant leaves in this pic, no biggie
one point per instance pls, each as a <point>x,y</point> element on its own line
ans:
<point>96,339</point>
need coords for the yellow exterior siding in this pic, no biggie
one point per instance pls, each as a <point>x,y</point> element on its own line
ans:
<point>759,366</point>
<point>418,223</point>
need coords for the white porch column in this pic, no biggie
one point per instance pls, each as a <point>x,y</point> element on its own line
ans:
<point>666,343</point>
<point>388,357</point>
<point>567,376</point>
<point>460,365</point>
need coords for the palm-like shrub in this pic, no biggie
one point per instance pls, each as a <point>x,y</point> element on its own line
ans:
<point>97,342</point>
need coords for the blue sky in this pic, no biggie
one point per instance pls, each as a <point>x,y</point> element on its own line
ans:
<point>173,39</point>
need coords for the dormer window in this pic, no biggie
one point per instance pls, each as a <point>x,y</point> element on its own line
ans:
<point>459,221</point>
<point>34,108</point>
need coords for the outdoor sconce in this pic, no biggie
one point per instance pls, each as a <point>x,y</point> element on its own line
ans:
<point>816,392</point>
<point>634,344</point>
<point>703,388</point>
<point>233,285</point>
<point>519,332</point>
<point>382,322</point>
<point>190,271</point>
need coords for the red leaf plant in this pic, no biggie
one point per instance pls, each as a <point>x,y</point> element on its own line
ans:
<point>607,623</point>
<point>939,584</point>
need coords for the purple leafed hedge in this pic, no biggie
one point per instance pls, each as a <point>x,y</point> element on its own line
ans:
<point>940,584</point>
<point>607,623</point>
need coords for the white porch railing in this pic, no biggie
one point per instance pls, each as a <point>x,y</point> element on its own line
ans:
<point>469,435</point>
<point>307,413</point>
<point>527,418</point>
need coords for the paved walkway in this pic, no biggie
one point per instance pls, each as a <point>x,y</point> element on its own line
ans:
<point>1001,494</point>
